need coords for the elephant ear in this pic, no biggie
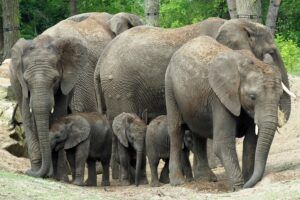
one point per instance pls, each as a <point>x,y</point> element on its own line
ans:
<point>73,58</point>
<point>224,79</point>
<point>120,126</point>
<point>78,132</point>
<point>17,65</point>
<point>123,21</point>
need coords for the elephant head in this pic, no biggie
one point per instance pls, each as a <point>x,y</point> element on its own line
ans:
<point>241,34</point>
<point>131,131</point>
<point>44,67</point>
<point>123,21</point>
<point>68,132</point>
<point>241,81</point>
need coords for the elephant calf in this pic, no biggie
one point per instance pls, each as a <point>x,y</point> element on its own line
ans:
<point>130,131</point>
<point>86,137</point>
<point>158,147</point>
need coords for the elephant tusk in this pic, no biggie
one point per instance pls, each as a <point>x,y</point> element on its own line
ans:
<point>287,90</point>
<point>52,110</point>
<point>30,110</point>
<point>256,129</point>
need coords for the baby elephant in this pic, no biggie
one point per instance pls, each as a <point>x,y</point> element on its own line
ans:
<point>86,137</point>
<point>158,147</point>
<point>130,131</point>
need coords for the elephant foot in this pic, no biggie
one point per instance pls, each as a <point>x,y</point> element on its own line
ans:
<point>89,182</point>
<point>207,175</point>
<point>177,179</point>
<point>164,179</point>
<point>237,187</point>
<point>125,182</point>
<point>155,184</point>
<point>105,183</point>
<point>78,182</point>
<point>189,179</point>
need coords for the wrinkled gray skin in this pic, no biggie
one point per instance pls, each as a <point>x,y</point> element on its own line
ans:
<point>86,137</point>
<point>214,90</point>
<point>130,131</point>
<point>55,71</point>
<point>158,147</point>
<point>133,67</point>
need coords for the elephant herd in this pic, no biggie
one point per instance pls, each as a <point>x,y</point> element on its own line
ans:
<point>88,86</point>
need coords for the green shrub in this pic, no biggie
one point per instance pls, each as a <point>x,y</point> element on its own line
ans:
<point>290,53</point>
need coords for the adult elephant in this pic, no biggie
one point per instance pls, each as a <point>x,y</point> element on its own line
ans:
<point>53,74</point>
<point>211,87</point>
<point>129,76</point>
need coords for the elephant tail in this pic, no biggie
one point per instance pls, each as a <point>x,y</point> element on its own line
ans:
<point>98,91</point>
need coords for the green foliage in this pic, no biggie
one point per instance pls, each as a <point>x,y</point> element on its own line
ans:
<point>290,54</point>
<point>177,13</point>
<point>36,15</point>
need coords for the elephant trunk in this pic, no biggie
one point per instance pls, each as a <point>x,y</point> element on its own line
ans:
<point>139,158</point>
<point>285,100</point>
<point>265,137</point>
<point>41,107</point>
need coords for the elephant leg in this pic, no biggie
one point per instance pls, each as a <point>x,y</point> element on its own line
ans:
<point>143,178</point>
<point>186,164</point>
<point>153,163</point>
<point>81,156</point>
<point>124,164</point>
<point>249,147</point>
<point>202,171</point>
<point>92,174</point>
<point>176,136</point>
<point>71,159</point>
<point>62,167</point>
<point>213,160</point>
<point>115,167</point>
<point>105,174</point>
<point>164,175</point>
<point>224,131</point>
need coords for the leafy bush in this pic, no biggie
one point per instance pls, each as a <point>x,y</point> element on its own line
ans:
<point>290,53</point>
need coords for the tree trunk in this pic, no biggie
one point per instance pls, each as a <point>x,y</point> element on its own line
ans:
<point>249,9</point>
<point>73,7</point>
<point>272,15</point>
<point>1,39</point>
<point>152,12</point>
<point>232,9</point>
<point>11,26</point>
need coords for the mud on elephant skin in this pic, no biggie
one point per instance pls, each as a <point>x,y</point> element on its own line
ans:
<point>86,137</point>
<point>53,74</point>
<point>130,131</point>
<point>158,147</point>
<point>227,85</point>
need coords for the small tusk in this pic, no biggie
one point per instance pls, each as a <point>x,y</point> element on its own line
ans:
<point>52,110</point>
<point>278,131</point>
<point>287,90</point>
<point>30,110</point>
<point>256,129</point>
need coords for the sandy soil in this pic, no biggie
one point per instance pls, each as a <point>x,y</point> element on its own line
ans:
<point>281,179</point>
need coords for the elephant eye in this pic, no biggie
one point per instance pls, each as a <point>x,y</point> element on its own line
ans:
<point>252,97</point>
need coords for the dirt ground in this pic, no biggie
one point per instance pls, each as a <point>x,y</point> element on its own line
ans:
<point>281,179</point>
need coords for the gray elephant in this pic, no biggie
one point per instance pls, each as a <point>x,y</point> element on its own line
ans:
<point>130,131</point>
<point>133,67</point>
<point>158,147</point>
<point>52,75</point>
<point>86,137</point>
<point>214,91</point>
